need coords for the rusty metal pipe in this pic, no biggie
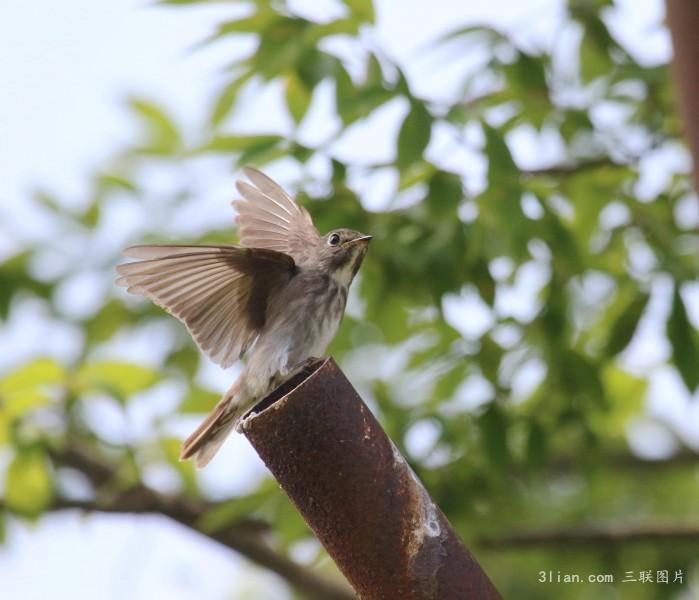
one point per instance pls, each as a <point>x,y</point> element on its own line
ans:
<point>358,494</point>
<point>683,21</point>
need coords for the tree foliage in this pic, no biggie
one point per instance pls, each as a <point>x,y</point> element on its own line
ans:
<point>501,456</point>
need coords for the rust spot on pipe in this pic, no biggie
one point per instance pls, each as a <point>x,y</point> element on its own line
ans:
<point>358,494</point>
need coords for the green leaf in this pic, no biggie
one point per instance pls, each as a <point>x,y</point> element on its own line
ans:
<point>109,319</point>
<point>506,230</point>
<point>625,326</point>
<point>112,180</point>
<point>28,485</point>
<point>445,193</point>
<point>595,61</point>
<point>448,382</point>
<point>119,378</point>
<point>23,401</point>
<point>537,446</point>
<point>341,26</point>
<point>47,200</point>
<point>199,400</point>
<point>172,448</point>
<point>288,524</point>
<point>15,277</point>
<point>576,122</point>
<point>626,394</point>
<point>255,23</point>
<point>91,216</point>
<point>226,99</point>
<point>581,378</point>
<point>298,96</point>
<point>471,34</point>
<point>526,81</point>
<point>252,149</point>
<point>357,101</point>
<point>391,315</point>
<point>162,135</point>
<point>419,172</point>
<point>584,10</point>
<point>185,359</point>
<point>374,72</point>
<point>363,10</point>
<point>240,143</point>
<point>493,427</point>
<point>284,43</point>
<point>528,72</point>
<point>502,169</point>
<point>23,389</point>
<point>225,513</point>
<point>685,352</point>
<point>254,505</point>
<point>263,153</point>
<point>301,153</point>
<point>5,427</point>
<point>414,135</point>
<point>42,371</point>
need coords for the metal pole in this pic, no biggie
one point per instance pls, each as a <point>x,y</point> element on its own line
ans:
<point>683,21</point>
<point>358,494</point>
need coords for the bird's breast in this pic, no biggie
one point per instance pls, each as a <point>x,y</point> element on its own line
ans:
<point>302,321</point>
<point>328,310</point>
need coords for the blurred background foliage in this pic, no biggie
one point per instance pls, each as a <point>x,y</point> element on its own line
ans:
<point>489,330</point>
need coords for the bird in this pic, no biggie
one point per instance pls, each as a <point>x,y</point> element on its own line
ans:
<point>276,298</point>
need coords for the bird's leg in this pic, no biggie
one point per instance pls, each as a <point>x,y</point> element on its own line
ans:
<point>287,372</point>
<point>304,364</point>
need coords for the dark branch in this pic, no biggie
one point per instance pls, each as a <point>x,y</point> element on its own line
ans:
<point>626,461</point>
<point>242,536</point>
<point>556,170</point>
<point>571,168</point>
<point>593,536</point>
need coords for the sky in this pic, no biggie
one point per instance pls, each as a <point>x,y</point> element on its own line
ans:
<point>65,71</point>
<point>66,68</point>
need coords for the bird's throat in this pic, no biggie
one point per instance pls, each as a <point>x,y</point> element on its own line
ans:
<point>344,273</point>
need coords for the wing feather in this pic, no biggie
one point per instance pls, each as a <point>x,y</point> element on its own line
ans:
<point>219,292</point>
<point>269,218</point>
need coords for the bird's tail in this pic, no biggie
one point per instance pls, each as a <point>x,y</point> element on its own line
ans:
<point>210,435</point>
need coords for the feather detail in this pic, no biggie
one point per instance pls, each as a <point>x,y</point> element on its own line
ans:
<point>219,292</point>
<point>269,218</point>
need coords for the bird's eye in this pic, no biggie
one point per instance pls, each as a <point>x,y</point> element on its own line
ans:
<point>334,239</point>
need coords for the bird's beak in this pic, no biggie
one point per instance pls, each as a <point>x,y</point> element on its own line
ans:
<point>365,239</point>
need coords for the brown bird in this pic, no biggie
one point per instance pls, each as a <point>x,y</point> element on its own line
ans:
<point>278,297</point>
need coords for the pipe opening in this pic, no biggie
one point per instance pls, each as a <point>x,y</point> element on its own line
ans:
<point>287,387</point>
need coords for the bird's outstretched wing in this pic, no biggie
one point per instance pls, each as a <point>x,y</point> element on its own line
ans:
<point>219,292</point>
<point>269,218</point>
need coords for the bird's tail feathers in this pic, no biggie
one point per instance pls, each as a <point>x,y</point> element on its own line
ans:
<point>206,440</point>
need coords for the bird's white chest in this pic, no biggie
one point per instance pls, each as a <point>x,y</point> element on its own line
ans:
<point>343,276</point>
<point>328,314</point>
<point>303,327</point>
<point>326,330</point>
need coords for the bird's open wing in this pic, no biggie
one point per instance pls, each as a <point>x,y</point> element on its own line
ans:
<point>269,218</point>
<point>219,292</point>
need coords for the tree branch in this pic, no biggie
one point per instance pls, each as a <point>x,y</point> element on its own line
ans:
<point>563,169</point>
<point>242,536</point>
<point>555,170</point>
<point>627,461</point>
<point>593,536</point>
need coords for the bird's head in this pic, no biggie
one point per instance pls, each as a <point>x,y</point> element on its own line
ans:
<point>340,253</point>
